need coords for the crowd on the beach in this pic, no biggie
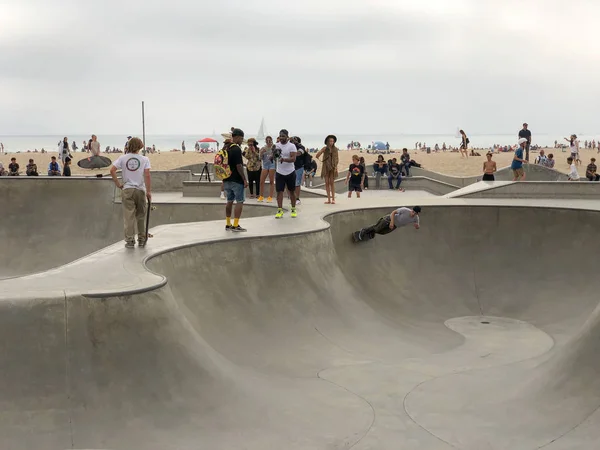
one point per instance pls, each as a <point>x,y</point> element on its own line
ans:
<point>31,169</point>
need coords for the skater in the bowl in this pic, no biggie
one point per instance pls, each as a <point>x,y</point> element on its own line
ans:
<point>398,218</point>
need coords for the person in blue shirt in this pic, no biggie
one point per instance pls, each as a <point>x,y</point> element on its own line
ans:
<point>518,161</point>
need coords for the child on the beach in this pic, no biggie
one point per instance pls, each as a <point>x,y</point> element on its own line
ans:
<point>355,179</point>
<point>13,167</point>
<point>67,167</point>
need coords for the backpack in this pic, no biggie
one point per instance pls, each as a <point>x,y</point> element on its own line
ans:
<point>221,164</point>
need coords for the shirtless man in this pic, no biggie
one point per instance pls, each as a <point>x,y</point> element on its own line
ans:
<point>489,167</point>
<point>388,223</point>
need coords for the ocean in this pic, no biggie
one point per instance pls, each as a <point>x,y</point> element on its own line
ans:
<point>396,141</point>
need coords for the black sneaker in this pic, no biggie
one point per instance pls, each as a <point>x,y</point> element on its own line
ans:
<point>228,227</point>
<point>238,229</point>
<point>130,244</point>
<point>142,243</point>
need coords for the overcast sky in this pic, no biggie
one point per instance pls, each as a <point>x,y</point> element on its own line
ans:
<point>314,66</point>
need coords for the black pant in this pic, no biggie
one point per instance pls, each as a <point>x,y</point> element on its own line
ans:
<point>381,227</point>
<point>406,167</point>
<point>488,177</point>
<point>595,177</point>
<point>254,177</point>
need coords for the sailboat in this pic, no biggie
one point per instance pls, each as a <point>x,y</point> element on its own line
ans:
<point>262,130</point>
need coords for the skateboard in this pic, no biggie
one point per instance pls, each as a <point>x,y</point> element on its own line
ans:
<point>360,236</point>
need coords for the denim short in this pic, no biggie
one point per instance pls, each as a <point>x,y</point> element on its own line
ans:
<point>299,176</point>
<point>234,191</point>
<point>270,165</point>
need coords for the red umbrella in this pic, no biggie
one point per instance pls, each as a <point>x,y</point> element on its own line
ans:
<point>207,140</point>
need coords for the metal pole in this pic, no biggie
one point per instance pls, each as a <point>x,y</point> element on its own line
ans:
<point>143,127</point>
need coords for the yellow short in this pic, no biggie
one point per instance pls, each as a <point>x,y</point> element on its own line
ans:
<point>518,172</point>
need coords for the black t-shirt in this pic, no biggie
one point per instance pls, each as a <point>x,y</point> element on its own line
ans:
<point>356,174</point>
<point>394,169</point>
<point>405,158</point>
<point>525,134</point>
<point>300,157</point>
<point>13,167</point>
<point>67,171</point>
<point>235,157</point>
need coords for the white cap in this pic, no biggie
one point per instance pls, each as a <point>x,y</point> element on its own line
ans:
<point>522,140</point>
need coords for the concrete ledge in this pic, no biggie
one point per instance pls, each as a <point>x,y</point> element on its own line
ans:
<point>213,189</point>
<point>532,172</point>
<point>169,180</point>
<point>410,184</point>
<point>539,189</point>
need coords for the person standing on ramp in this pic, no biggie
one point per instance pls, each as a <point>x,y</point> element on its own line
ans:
<point>135,171</point>
<point>388,223</point>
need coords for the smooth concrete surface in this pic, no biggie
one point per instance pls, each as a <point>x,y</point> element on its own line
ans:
<point>169,180</point>
<point>213,189</point>
<point>533,172</point>
<point>474,332</point>
<point>40,231</point>
<point>530,189</point>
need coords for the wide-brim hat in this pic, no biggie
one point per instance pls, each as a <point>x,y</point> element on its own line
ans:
<point>522,141</point>
<point>331,136</point>
<point>228,136</point>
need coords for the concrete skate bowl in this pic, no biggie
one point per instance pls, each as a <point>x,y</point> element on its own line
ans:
<point>47,222</point>
<point>475,332</point>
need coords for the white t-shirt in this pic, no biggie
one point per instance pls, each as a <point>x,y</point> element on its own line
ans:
<point>132,166</point>
<point>573,174</point>
<point>285,168</point>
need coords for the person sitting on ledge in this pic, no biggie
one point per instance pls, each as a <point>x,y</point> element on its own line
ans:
<point>31,169</point>
<point>590,172</point>
<point>53,168</point>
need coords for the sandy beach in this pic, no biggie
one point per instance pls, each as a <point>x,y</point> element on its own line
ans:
<point>446,163</point>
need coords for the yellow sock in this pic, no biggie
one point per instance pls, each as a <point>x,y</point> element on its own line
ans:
<point>228,221</point>
<point>236,222</point>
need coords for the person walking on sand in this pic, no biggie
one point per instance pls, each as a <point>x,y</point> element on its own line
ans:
<point>63,149</point>
<point>518,161</point>
<point>573,146</point>
<point>464,144</point>
<point>355,178</point>
<point>526,133</point>
<point>95,146</point>
<point>268,169</point>
<point>489,168</point>
<point>329,170</point>
<point>136,188</point>
<point>400,217</point>
<point>234,186</point>
<point>285,174</point>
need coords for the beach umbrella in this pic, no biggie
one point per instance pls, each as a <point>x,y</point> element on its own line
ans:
<point>208,140</point>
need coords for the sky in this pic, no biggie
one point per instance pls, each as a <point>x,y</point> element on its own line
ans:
<point>313,66</point>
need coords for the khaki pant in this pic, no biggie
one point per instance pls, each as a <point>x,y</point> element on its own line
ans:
<point>134,213</point>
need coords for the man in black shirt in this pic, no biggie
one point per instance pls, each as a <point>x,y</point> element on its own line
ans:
<point>234,186</point>
<point>299,164</point>
<point>405,158</point>
<point>395,174</point>
<point>525,133</point>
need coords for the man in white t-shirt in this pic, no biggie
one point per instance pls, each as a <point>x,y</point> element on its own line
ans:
<point>135,171</point>
<point>285,176</point>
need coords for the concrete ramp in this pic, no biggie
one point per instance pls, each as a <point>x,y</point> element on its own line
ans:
<point>475,332</point>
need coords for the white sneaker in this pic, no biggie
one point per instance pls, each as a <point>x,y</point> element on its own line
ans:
<point>297,201</point>
<point>311,184</point>
<point>222,195</point>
